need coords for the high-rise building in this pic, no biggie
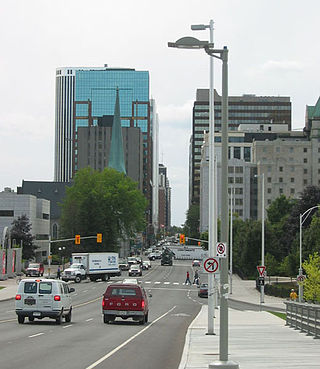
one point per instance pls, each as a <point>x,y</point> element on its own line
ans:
<point>85,95</point>
<point>164,198</point>
<point>246,110</point>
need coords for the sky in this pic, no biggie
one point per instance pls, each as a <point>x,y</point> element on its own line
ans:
<point>272,52</point>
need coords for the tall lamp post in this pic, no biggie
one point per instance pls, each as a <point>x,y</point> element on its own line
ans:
<point>222,54</point>
<point>262,231</point>
<point>303,218</point>
<point>212,204</point>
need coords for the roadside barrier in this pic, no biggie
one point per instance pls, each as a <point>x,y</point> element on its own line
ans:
<point>304,317</point>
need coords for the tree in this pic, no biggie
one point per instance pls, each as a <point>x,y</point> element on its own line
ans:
<point>21,232</point>
<point>104,202</point>
<point>311,236</point>
<point>280,208</point>
<point>312,283</point>
<point>192,224</point>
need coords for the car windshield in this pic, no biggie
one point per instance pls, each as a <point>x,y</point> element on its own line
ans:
<point>75,266</point>
<point>33,265</point>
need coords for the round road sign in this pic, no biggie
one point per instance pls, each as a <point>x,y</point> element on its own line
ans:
<point>211,265</point>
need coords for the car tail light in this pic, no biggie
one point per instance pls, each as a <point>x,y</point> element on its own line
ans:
<point>103,303</point>
<point>57,298</point>
<point>142,304</point>
<point>18,297</point>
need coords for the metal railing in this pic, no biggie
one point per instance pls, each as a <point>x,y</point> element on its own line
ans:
<point>304,317</point>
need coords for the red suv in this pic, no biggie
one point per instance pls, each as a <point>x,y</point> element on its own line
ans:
<point>125,301</point>
<point>35,269</point>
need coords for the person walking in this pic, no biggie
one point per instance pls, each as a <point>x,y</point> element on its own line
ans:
<point>188,278</point>
<point>293,295</point>
<point>196,278</point>
<point>58,272</point>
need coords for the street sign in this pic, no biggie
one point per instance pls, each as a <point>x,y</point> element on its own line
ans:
<point>211,265</point>
<point>221,249</point>
<point>301,278</point>
<point>261,281</point>
<point>261,270</point>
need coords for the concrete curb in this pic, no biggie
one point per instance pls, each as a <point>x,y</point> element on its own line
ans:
<point>186,348</point>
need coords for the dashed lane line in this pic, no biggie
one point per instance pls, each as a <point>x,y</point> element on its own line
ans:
<point>36,335</point>
<point>67,326</point>
<point>89,320</point>
<point>128,340</point>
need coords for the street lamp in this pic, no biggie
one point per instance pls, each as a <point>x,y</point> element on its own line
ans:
<point>212,198</point>
<point>262,231</point>
<point>306,214</point>
<point>222,54</point>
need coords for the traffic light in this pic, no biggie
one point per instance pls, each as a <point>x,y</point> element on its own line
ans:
<point>182,239</point>
<point>77,239</point>
<point>199,243</point>
<point>99,237</point>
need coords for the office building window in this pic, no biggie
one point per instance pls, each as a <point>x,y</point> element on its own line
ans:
<point>269,190</point>
<point>305,149</point>
<point>230,179</point>
<point>305,182</point>
<point>305,160</point>
<point>269,179</point>
<point>292,191</point>
<point>230,169</point>
<point>280,179</point>
<point>239,180</point>
<point>239,169</point>
<point>305,171</point>
<point>269,201</point>
<point>247,154</point>
<point>292,180</point>
<point>239,191</point>
<point>237,152</point>
<point>280,169</point>
<point>280,191</point>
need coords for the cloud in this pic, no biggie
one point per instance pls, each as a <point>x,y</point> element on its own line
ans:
<point>180,114</point>
<point>282,65</point>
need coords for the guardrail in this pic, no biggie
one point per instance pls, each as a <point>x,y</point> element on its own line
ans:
<point>304,317</point>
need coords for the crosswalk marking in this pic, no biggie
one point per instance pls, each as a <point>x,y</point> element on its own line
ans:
<point>157,282</point>
<point>147,282</point>
<point>176,283</point>
<point>166,282</point>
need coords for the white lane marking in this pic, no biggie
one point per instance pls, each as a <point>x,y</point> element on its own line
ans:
<point>147,282</point>
<point>88,320</point>
<point>75,294</point>
<point>157,282</point>
<point>10,311</point>
<point>100,282</point>
<point>176,283</point>
<point>84,291</point>
<point>128,340</point>
<point>36,335</point>
<point>67,326</point>
<point>166,282</point>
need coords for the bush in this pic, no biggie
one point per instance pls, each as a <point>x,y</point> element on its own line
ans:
<point>279,290</point>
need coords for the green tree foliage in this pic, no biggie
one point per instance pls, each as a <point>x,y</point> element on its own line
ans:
<point>192,224</point>
<point>312,283</point>
<point>105,202</point>
<point>279,209</point>
<point>21,231</point>
<point>309,198</point>
<point>311,237</point>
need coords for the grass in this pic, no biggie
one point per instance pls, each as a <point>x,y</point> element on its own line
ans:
<point>279,315</point>
<point>1,288</point>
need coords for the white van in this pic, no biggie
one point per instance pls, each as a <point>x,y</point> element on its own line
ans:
<point>43,298</point>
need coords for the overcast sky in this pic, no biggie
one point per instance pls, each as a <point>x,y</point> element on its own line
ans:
<point>273,51</point>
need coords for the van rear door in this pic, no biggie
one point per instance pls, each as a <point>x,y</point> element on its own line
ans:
<point>123,298</point>
<point>45,296</point>
<point>29,295</point>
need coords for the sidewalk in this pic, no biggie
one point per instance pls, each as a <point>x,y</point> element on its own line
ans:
<point>257,339</point>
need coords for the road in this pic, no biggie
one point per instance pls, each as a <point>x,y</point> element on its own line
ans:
<point>88,343</point>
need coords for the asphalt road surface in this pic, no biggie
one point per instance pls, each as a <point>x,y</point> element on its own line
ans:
<point>88,343</point>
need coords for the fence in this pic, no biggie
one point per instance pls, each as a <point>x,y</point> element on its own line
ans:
<point>304,317</point>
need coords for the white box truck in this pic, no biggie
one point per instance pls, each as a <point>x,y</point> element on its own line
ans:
<point>96,265</point>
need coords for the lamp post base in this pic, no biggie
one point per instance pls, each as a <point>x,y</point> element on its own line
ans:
<point>224,365</point>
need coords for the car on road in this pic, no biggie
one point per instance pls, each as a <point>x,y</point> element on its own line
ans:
<point>130,281</point>
<point>132,260</point>
<point>203,290</point>
<point>43,298</point>
<point>125,301</point>
<point>135,270</point>
<point>35,270</point>
<point>196,263</point>
<point>123,264</point>
<point>155,255</point>
<point>146,265</point>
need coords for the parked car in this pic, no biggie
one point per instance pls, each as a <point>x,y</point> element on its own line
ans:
<point>135,270</point>
<point>125,301</point>
<point>203,290</point>
<point>196,263</point>
<point>43,298</point>
<point>35,270</point>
